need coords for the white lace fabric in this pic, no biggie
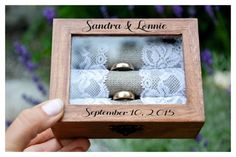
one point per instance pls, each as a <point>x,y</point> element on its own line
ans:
<point>162,82</point>
<point>88,73</point>
<point>162,85</point>
<point>163,78</point>
<point>160,56</point>
<point>87,59</point>
<point>89,84</point>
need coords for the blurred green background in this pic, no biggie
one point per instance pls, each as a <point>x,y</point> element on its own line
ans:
<point>28,51</point>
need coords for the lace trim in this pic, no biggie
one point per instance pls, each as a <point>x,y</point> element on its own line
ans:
<point>91,101</point>
<point>162,82</point>
<point>88,59</point>
<point>143,101</point>
<point>159,56</point>
<point>164,100</point>
<point>89,84</point>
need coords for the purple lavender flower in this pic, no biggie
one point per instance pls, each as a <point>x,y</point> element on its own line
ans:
<point>35,78</point>
<point>198,138</point>
<point>31,66</point>
<point>39,84</point>
<point>104,11</point>
<point>177,10</point>
<point>206,57</point>
<point>31,100</point>
<point>24,56</point>
<point>159,9</point>
<point>207,60</point>
<point>26,60</point>
<point>21,50</point>
<point>41,88</point>
<point>49,13</point>
<point>209,10</point>
<point>191,11</point>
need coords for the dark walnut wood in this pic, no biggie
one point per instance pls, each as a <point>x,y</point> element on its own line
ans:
<point>127,121</point>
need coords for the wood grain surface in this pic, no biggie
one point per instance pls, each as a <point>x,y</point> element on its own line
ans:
<point>187,119</point>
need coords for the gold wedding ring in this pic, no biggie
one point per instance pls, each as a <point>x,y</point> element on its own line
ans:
<point>122,67</point>
<point>124,95</point>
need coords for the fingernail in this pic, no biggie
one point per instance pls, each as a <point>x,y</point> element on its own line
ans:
<point>53,107</point>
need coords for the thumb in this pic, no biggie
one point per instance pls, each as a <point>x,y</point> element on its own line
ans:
<point>31,122</point>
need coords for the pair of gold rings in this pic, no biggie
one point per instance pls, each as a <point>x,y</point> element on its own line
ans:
<point>124,95</point>
<point>122,67</point>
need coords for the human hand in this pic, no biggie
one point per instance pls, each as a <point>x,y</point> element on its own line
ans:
<point>31,130</point>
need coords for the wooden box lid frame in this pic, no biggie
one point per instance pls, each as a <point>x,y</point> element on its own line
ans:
<point>184,123</point>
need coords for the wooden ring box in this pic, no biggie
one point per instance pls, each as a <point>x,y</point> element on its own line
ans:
<point>127,121</point>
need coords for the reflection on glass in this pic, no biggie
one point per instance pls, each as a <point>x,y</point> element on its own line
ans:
<point>157,76</point>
